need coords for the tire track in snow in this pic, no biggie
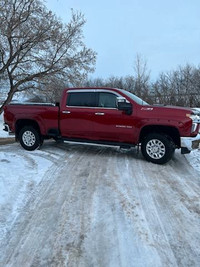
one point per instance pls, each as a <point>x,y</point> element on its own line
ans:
<point>31,198</point>
<point>39,218</point>
<point>170,188</point>
<point>98,206</point>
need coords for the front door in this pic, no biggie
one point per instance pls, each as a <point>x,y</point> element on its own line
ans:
<point>111,124</point>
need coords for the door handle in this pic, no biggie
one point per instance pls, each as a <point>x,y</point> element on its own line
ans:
<point>99,113</point>
<point>66,111</point>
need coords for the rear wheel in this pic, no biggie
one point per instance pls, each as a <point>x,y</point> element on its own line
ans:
<point>157,148</point>
<point>29,138</point>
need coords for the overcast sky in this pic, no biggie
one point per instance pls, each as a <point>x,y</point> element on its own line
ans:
<point>165,33</point>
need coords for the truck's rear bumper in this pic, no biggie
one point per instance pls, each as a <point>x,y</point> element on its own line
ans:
<point>189,143</point>
<point>7,129</point>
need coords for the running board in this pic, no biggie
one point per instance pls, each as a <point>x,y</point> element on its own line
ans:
<point>105,143</point>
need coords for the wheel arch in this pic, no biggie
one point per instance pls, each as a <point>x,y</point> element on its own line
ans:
<point>21,123</point>
<point>161,129</point>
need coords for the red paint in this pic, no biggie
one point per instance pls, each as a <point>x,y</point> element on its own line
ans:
<point>89,123</point>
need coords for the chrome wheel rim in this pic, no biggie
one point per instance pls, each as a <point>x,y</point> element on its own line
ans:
<point>155,149</point>
<point>28,138</point>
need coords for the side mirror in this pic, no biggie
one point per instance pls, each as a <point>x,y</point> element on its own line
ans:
<point>125,106</point>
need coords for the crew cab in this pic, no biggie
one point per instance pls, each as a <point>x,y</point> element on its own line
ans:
<point>105,116</point>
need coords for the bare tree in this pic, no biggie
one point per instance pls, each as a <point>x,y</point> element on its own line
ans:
<point>50,90</point>
<point>142,76</point>
<point>35,45</point>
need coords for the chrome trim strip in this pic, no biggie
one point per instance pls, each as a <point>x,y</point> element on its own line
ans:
<point>91,107</point>
<point>93,91</point>
<point>99,113</point>
<point>32,104</point>
<point>81,90</point>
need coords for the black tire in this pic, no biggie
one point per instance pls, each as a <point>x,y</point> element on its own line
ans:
<point>29,138</point>
<point>157,148</point>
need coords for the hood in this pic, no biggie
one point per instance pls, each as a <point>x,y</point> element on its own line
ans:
<point>167,112</point>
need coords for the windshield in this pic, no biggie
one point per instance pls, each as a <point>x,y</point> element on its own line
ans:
<point>135,98</point>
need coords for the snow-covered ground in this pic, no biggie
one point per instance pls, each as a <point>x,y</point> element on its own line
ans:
<point>73,205</point>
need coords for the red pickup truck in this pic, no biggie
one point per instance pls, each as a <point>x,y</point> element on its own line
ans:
<point>105,116</point>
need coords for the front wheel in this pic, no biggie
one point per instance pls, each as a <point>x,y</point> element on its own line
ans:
<point>29,138</point>
<point>157,148</point>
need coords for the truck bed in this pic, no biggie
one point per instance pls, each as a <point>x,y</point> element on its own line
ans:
<point>46,115</point>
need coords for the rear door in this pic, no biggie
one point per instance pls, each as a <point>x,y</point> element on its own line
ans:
<point>76,118</point>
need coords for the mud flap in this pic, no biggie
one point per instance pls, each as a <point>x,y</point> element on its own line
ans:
<point>185,150</point>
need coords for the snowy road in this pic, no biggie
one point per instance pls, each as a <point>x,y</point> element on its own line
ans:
<point>73,205</point>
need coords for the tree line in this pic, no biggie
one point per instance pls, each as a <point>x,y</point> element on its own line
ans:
<point>180,87</point>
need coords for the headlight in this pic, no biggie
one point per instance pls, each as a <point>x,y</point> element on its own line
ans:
<point>194,127</point>
<point>194,116</point>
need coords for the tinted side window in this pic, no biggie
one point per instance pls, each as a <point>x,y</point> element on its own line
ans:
<point>107,100</point>
<point>82,99</point>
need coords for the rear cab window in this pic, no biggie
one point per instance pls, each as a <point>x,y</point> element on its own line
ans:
<point>81,99</point>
